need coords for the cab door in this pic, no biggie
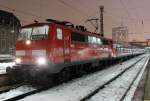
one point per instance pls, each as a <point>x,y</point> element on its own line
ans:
<point>66,49</point>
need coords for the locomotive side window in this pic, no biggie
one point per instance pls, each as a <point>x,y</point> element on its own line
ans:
<point>59,33</point>
<point>94,40</point>
<point>99,41</point>
<point>90,39</point>
<point>75,36</point>
<point>105,42</point>
<point>78,37</point>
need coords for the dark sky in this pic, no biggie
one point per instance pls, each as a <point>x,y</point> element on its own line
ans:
<point>132,13</point>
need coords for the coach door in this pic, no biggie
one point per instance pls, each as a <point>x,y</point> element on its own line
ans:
<point>66,38</point>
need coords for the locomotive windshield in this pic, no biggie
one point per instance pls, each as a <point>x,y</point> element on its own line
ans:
<point>34,33</point>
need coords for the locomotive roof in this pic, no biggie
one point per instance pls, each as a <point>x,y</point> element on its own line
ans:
<point>73,29</point>
<point>35,24</point>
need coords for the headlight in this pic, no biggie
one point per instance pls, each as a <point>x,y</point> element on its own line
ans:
<point>18,60</point>
<point>28,42</point>
<point>41,61</point>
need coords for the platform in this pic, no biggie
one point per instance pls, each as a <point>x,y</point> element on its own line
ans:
<point>147,86</point>
<point>142,92</point>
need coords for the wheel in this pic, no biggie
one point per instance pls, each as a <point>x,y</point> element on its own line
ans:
<point>64,76</point>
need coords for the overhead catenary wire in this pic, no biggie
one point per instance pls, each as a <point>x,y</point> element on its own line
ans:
<point>20,11</point>
<point>37,16</point>
<point>141,21</point>
<point>129,15</point>
<point>72,7</point>
<point>25,13</point>
<point>126,9</point>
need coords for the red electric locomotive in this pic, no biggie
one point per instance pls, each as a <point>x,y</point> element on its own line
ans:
<point>46,49</point>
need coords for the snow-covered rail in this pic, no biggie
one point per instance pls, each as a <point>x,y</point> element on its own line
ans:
<point>17,92</point>
<point>136,77</point>
<point>102,88</point>
<point>78,89</point>
<point>117,90</point>
<point>6,88</point>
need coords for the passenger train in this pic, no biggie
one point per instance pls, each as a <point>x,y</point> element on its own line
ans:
<point>44,50</point>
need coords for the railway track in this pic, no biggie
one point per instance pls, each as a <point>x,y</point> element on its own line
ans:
<point>34,91</point>
<point>135,82</point>
<point>122,96</point>
<point>6,88</point>
<point>5,85</point>
<point>17,92</point>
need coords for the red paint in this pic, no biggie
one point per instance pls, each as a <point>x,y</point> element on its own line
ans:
<point>61,51</point>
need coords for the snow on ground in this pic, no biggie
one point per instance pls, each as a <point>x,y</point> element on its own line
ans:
<point>15,92</point>
<point>77,89</point>
<point>116,89</point>
<point>4,65</point>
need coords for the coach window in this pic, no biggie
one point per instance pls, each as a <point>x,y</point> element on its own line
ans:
<point>59,33</point>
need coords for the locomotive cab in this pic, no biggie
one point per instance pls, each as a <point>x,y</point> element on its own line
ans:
<point>43,45</point>
<point>40,49</point>
<point>32,44</point>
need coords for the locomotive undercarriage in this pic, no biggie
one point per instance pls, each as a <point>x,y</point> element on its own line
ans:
<point>29,74</point>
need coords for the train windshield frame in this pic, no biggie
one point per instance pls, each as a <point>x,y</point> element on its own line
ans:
<point>34,33</point>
